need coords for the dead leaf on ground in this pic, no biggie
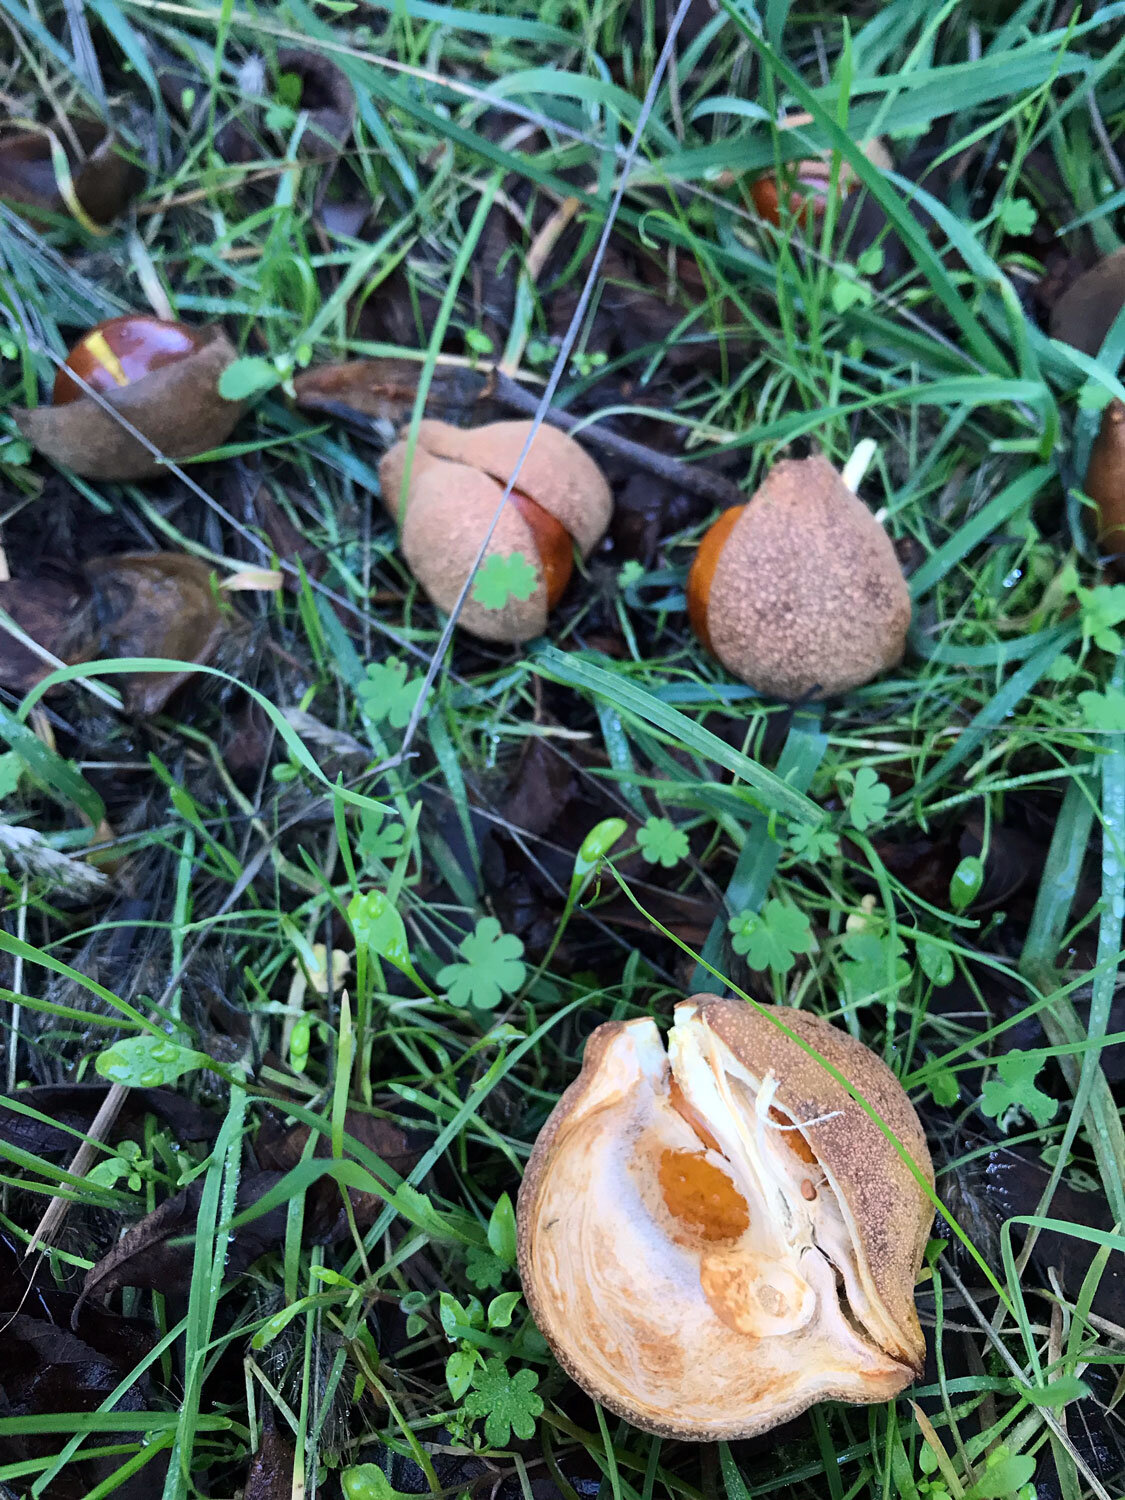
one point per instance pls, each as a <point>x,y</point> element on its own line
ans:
<point>132,604</point>
<point>281,1149</point>
<point>72,1106</point>
<point>324,91</point>
<point>1105,485</point>
<point>270,1476</point>
<point>159,1252</point>
<point>384,390</point>
<point>104,181</point>
<point>1085,312</point>
<point>177,408</point>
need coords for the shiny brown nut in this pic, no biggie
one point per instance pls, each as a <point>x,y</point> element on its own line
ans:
<point>715,1238</point>
<point>799,592</point>
<point>809,181</point>
<point>121,351</point>
<point>161,377</point>
<point>457,477</point>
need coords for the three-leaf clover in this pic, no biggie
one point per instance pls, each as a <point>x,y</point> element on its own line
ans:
<point>388,692</point>
<point>662,843</point>
<point>813,843</point>
<point>868,801</point>
<point>378,839</point>
<point>1102,609</point>
<point>876,962</point>
<point>508,1403</point>
<point>772,938</point>
<point>1104,710</point>
<point>1015,1087</point>
<point>493,967</point>
<point>502,578</point>
<point>1017,215</point>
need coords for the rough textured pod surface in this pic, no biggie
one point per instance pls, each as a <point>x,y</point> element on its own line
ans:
<point>807,598</point>
<point>456,480</point>
<point>714,1237</point>
<point>178,408</point>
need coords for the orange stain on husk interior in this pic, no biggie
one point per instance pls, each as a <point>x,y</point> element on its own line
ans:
<point>702,1196</point>
<point>703,571</point>
<point>553,543</point>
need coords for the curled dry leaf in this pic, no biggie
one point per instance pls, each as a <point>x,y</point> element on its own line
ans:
<point>162,378</point>
<point>132,604</point>
<point>799,592</point>
<point>809,180</point>
<point>103,179</point>
<point>457,478</point>
<point>1105,485</point>
<point>714,1238</point>
<point>325,92</point>
<point>1085,312</point>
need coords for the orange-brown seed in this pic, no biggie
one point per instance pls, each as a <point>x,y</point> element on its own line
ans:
<point>703,571</point>
<point>702,1195</point>
<point>552,542</point>
<point>121,351</point>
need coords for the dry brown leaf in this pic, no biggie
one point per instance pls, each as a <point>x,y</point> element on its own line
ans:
<point>104,181</point>
<point>1105,485</point>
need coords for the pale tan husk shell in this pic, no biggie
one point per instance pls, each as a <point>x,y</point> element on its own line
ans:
<point>878,1187</point>
<point>807,598</point>
<point>456,480</point>
<point>178,408</point>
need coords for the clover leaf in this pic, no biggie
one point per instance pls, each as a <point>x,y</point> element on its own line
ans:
<point>1018,216</point>
<point>1104,710</point>
<point>484,1270</point>
<point>502,578</point>
<point>508,1403</point>
<point>876,963</point>
<point>1014,1087</point>
<point>812,843</point>
<point>493,967</point>
<point>378,839</point>
<point>1102,609</point>
<point>662,843</point>
<point>868,801</point>
<point>772,938</point>
<point>388,692</point>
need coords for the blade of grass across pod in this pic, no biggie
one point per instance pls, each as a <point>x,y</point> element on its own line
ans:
<point>797,764</point>
<point>632,701</point>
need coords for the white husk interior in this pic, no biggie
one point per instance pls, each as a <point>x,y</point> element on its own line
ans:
<point>677,1329</point>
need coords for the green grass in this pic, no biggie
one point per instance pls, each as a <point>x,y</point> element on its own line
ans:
<point>996,743</point>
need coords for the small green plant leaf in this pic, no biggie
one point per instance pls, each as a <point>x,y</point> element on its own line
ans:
<point>1104,710</point>
<point>493,967</point>
<point>872,967</point>
<point>1060,1391</point>
<point>772,938</point>
<point>368,1482</point>
<point>459,1369</point>
<point>1014,1087</point>
<point>1017,216</point>
<point>1102,610</point>
<point>662,843</point>
<point>502,578</point>
<point>484,1270</point>
<point>966,882</point>
<point>389,692</point>
<point>248,377</point>
<point>508,1403</point>
<point>378,927</point>
<point>501,1308</point>
<point>935,961</point>
<point>594,847</point>
<point>944,1088</point>
<point>148,1062</point>
<point>379,841</point>
<point>1005,1474</point>
<point>868,801</point>
<point>11,769</point>
<point>502,1231</point>
<point>812,843</point>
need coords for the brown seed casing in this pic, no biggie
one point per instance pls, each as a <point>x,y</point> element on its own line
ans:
<point>1105,485</point>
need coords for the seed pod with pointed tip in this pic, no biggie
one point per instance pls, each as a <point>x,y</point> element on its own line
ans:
<point>714,1238</point>
<point>457,476</point>
<point>1105,485</point>
<point>799,592</point>
<point>810,179</point>
<point>161,377</point>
